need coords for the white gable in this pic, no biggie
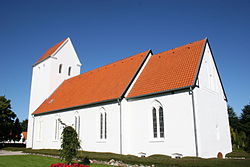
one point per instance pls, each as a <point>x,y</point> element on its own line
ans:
<point>208,77</point>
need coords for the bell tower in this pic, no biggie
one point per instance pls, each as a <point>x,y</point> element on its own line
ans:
<point>58,63</point>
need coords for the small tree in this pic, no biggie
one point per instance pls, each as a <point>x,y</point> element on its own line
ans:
<point>7,117</point>
<point>70,144</point>
<point>16,131</point>
<point>24,125</point>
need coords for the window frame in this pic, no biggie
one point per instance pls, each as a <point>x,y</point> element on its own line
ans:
<point>77,123</point>
<point>40,129</point>
<point>57,127</point>
<point>157,122</point>
<point>102,126</point>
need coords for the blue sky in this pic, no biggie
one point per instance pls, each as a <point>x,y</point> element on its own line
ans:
<point>105,31</point>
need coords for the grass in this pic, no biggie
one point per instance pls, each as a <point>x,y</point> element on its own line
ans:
<point>158,160</point>
<point>32,161</point>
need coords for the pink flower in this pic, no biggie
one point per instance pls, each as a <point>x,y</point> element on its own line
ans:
<point>66,165</point>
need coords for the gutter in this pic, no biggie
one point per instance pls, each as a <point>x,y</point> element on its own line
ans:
<point>75,107</point>
<point>126,90</point>
<point>120,106</point>
<point>195,126</point>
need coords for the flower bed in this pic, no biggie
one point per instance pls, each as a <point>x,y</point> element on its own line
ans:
<point>65,165</point>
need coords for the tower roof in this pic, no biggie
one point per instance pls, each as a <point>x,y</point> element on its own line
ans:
<point>50,51</point>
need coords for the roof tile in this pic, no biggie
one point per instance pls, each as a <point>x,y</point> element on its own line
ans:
<point>172,69</point>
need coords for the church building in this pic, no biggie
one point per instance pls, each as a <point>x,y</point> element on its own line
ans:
<point>171,103</point>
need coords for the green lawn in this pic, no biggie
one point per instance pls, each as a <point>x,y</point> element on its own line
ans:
<point>31,161</point>
<point>157,160</point>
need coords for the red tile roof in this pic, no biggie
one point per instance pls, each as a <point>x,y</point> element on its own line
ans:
<point>172,69</point>
<point>50,51</point>
<point>24,135</point>
<point>104,83</point>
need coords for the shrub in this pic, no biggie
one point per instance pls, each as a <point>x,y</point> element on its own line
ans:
<point>70,144</point>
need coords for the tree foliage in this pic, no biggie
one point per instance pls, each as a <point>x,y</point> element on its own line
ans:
<point>70,144</point>
<point>16,131</point>
<point>240,128</point>
<point>24,125</point>
<point>8,121</point>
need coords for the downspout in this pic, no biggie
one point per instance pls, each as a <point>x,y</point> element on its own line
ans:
<point>194,117</point>
<point>33,131</point>
<point>120,106</point>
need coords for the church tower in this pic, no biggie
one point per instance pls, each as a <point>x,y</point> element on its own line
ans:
<point>59,63</point>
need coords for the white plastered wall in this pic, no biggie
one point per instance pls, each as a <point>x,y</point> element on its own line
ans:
<point>178,125</point>
<point>89,128</point>
<point>211,111</point>
<point>46,78</point>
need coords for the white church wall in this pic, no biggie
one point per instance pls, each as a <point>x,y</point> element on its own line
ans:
<point>39,91</point>
<point>89,128</point>
<point>211,111</point>
<point>66,56</point>
<point>46,78</point>
<point>178,126</point>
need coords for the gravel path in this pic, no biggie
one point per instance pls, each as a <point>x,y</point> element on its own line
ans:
<point>4,152</point>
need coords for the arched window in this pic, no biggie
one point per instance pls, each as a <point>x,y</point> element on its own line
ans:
<point>103,124</point>
<point>154,122</point>
<point>56,129</point>
<point>77,124</point>
<point>158,120</point>
<point>69,71</point>
<point>161,121</point>
<point>60,68</point>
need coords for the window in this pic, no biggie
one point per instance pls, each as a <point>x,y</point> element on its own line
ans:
<point>56,129</point>
<point>69,71</point>
<point>78,130</point>
<point>39,136</point>
<point>60,68</point>
<point>154,123</point>
<point>103,124</point>
<point>157,120</point>
<point>161,121</point>
<point>77,124</point>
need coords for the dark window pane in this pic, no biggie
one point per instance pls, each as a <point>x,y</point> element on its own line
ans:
<point>105,124</point>
<point>161,121</point>
<point>60,68</point>
<point>154,123</point>
<point>69,71</point>
<point>101,128</point>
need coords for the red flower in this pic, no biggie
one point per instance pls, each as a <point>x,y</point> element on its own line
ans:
<point>66,165</point>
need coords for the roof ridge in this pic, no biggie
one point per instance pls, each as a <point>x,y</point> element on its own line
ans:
<point>180,47</point>
<point>98,68</point>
